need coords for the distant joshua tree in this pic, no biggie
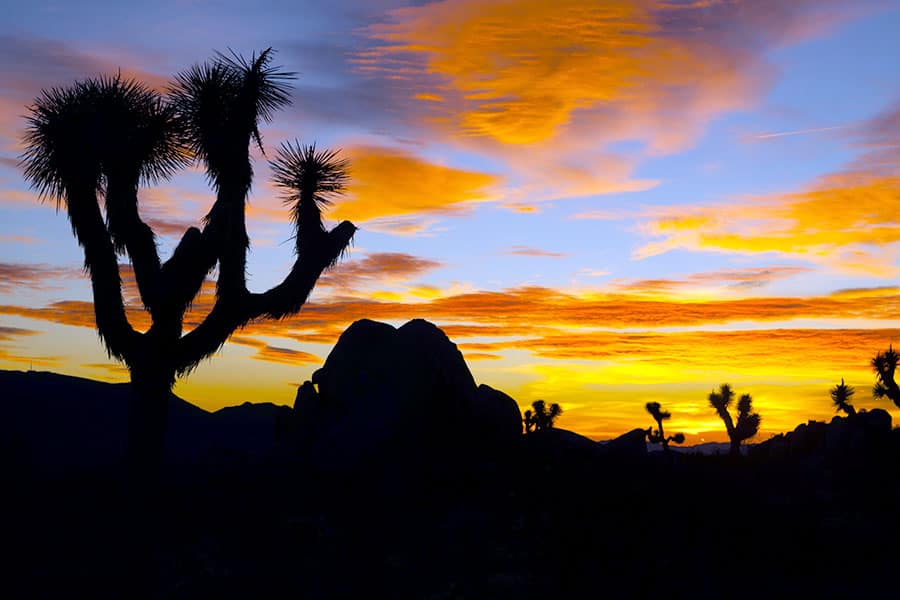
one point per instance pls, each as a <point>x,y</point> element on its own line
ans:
<point>91,145</point>
<point>885,364</point>
<point>747,422</point>
<point>541,417</point>
<point>659,436</point>
<point>841,395</point>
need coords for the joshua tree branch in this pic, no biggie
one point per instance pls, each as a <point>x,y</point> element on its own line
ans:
<point>287,297</point>
<point>130,232</point>
<point>226,225</point>
<point>282,300</point>
<point>100,260</point>
<point>183,274</point>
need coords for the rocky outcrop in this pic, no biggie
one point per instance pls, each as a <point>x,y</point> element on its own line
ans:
<point>857,435</point>
<point>562,445</point>
<point>496,416</point>
<point>628,445</point>
<point>400,391</point>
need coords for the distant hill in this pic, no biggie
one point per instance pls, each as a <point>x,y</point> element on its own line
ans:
<point>58,422</point>
<point>707,448</point>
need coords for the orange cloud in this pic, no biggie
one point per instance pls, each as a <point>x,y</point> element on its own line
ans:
<point>551,86</point>
<point>736,279</point>
<point>846,220</point>
<point>521,71</point>
<point>386,182</point>
<point>10,335</point>
<point>759,351</point>
<point>519,310</point>
<point>112,372</point>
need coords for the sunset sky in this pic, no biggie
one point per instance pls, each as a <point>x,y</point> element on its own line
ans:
<point>602,203</point>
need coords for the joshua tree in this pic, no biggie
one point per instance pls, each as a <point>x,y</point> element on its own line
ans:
<point>884,365</point>
<point>528,420</point>
<point>100,139</point>
<point>841,395</point>
<point>659,436</point>
<point>747,422</point>
<point>541,417</point>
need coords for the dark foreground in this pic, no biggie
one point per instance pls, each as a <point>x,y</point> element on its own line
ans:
<point>548,518</point>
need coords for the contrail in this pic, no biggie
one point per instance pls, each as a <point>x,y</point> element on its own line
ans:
<point>766,136</point>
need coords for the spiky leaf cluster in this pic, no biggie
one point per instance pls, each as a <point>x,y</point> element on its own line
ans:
<point>841,396</point>
<point>221,103</point>
<point>748,422</point>
<point>310,179</point>
<point>885,366</point>
<point>656,411</point>
<point>97,128</point>
<point>721,400</point>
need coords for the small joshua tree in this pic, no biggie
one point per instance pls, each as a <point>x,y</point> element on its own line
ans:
<point>91,145</point>
<point>659,436</point>
<point>541,417</point>
<point>747,424</point>
<point>528,421</point>
<point>840,396</point>
<point>885,364</point>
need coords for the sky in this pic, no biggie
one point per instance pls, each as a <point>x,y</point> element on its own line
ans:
<point>603,204</point>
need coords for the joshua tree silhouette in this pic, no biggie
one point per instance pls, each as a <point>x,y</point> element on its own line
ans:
<point>841,395</point>
<point>659,436</point>
<point>106,136</point>
<point>885,364</point>
<point>747,422</point>
<point>541,417</point>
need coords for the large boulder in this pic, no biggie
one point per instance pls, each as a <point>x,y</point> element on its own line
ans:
<point>807,439</point>
<point>404,391</point>
<point>496,416</point>
<point>561,444</point>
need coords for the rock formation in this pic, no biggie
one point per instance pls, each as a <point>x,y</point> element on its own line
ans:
<point>844,437</point>
<point>399,391</point>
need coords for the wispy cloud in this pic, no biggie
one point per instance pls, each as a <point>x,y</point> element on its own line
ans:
<point>766,136</point>
<point>276,354</point>
<point>377,268</point>
<point>16,276</point>
<point>846,220</point>
<point>533,252</point>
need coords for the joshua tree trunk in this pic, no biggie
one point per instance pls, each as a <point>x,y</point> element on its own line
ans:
<point>730,430</point>
<point>662,436</point>
<point>147,418</point>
